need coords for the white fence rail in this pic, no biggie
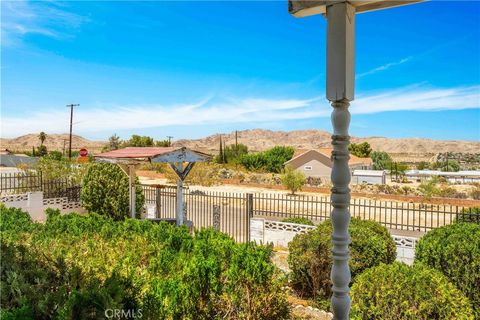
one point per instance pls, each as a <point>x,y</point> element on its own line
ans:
<point>35,204</point>
<point>281,233</point>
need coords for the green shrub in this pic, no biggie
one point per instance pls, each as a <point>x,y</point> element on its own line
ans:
<point>137,264</point>
<point>310,255</point>
<point>293,180</point>
<point>276,157</point>
<point>469,215</point>
<point>397,292</point>
<point>105,191</point>
<point>36,287</point>
<point>381,160</point>
<point>454,250</point>
<point>271,160</point>
<point>14,223</point>
<point>299,220</point>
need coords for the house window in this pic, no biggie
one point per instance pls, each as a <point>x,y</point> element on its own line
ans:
<point>307,168</point>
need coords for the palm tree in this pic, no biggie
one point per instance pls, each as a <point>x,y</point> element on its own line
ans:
<point>42,136</point>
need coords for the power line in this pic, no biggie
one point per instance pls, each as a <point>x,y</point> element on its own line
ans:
<point>71,123</point>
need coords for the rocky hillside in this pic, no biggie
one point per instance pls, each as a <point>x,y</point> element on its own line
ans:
<point>53,142</point>
<point>405,149</point>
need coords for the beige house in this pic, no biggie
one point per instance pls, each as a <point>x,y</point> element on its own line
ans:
<point>317,163</point>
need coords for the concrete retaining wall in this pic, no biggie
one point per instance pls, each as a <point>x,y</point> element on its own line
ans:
<point>35,204</point>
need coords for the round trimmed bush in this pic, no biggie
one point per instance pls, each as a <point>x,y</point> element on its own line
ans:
<point>310,255</point>
<point>397,291</point>
<point>105,191</point>
<point>454,250</point>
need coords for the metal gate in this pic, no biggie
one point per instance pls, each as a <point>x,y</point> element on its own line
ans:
<point>226,212</point>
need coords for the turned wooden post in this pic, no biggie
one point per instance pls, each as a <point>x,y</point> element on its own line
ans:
<point>340,91</point>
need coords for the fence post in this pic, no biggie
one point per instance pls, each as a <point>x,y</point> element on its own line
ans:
<point>157,202</point>
<point>249,214</point>
<point>41,182</point>
<point>216,217</point>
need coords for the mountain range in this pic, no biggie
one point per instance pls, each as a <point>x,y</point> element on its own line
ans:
<point>401,149</point>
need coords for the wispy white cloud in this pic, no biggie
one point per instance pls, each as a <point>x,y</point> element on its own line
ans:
<point>46,18</point>
<point>217,111</point>
<point>418,98</point>
<point>383,68</point>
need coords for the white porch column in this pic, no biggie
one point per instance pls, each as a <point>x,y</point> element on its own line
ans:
<point>179,211</point>
<point>340,91</point>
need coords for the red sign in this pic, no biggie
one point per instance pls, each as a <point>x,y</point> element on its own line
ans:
<point>83,152</point>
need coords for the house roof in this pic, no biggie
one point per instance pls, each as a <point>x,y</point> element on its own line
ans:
<point>5,151</point>
<point>326,152</point>
<point>152,154</point>
<point>428,173</point>
<point>369,173</point>
<point>11,160</point>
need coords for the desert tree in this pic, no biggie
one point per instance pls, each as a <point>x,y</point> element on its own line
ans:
<point>42,137</point>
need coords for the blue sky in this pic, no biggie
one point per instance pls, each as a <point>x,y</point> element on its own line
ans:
<point>190,69</point>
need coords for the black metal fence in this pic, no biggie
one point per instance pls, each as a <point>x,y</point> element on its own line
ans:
<point>237,209</point>
<point>392,214</point>
<point>228,212</point>
<point>21,182</point>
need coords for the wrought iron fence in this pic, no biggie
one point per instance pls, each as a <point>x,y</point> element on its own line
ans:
<point>398,215</point>
<point>392,214</point>
<point>228,212</point>
<point>21,182</point>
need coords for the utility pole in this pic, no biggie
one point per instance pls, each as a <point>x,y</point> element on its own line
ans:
<point>169,140</point>
<point>71,122</point>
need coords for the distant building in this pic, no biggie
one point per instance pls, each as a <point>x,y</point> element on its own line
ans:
<point>459,176</point>
<point>369,176</point>
<point>317,163</point>
<point>5,151</point>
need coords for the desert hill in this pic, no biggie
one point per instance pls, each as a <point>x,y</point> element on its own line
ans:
<point>405,149</point>
<point>53,142</point>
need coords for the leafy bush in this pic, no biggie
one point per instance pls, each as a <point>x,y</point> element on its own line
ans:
<point>381,160</point>
<point>398,291</point>
<point>14,223</point>
<point>105,191</point>
<point>299,220</point>
<point>271,160</point>
<point>454,250</point>
<point>276,157</point>
<point>469,215</point>
<point>450,166</point>
<point>232,153</point>
<point>253,161</point>
<point>63,169</point>
<point>36,287</point>
<point>138,141</point>
<point>361,150</point>
<point>136,264</point>
<point>310,255</point>
<point>293,180</point>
